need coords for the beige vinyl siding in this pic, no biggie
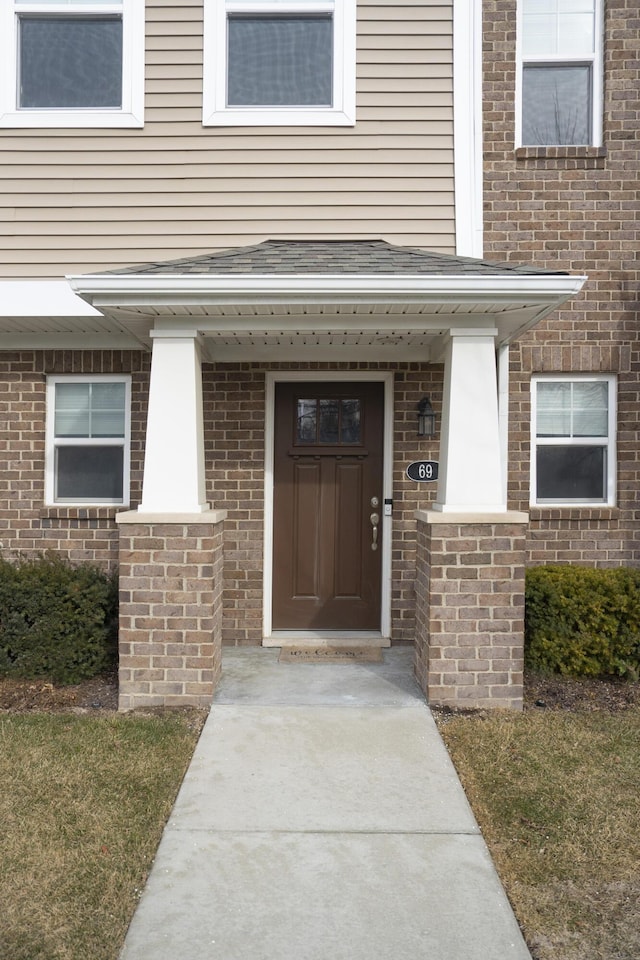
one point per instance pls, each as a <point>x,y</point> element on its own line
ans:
<point>84,200</point>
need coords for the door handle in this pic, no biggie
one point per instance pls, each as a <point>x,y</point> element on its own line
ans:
<point>375,520</point>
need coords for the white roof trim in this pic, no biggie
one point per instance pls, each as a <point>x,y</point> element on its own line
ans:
<point>181,289</point>
<point>37,298</point>
<point>384,316</point>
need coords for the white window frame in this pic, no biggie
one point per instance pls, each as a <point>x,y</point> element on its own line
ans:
<point>130,114</point>
<point>609,441</point>
<point>215,111</point>
<point>52,443</point>
<point>595,61</point>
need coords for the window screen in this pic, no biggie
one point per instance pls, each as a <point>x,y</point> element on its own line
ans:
<point>571,473</point>
<point>556,105</point>
<point>280,61</point>
<point>89,473</point>
<point>70,62</point>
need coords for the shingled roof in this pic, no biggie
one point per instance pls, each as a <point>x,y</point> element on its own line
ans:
<point>332,257</point>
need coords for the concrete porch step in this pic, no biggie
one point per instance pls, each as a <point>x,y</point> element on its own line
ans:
<point>325,638</point>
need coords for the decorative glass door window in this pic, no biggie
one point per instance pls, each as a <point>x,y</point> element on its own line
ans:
<point>328,421</point>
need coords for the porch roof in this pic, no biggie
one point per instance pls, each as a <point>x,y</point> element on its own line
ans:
<point>334,257</point>
<point>303,299</point>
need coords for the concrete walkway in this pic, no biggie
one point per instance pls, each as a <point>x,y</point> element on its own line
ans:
<point>321,819</point>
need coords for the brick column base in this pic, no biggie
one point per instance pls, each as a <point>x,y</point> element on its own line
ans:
<point>170,640</point>
<point>470,609</point>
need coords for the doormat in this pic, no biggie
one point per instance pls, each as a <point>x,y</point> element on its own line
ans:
<point>330,654</point>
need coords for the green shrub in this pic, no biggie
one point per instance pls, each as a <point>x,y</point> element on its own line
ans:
<point>56,620</point>
<point>583,622</point>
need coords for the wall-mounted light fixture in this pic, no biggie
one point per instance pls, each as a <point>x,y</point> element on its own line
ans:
<point>426,418</point>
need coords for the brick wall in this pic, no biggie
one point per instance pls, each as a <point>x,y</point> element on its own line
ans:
<point>234,451</point>
<point>170,650</point>
<point>574,209</point>
<point>26,525</point>
<point>470,611</point>
<point>234,400</point>
<point>410,386</point>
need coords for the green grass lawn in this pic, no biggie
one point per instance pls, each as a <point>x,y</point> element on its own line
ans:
<point>83,801</point>
<point>557,795</point>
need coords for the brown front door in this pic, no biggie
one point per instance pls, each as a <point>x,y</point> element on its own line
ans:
<point>327,494</point>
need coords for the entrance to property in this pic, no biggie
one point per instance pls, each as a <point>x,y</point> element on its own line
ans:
<point>328,506</point>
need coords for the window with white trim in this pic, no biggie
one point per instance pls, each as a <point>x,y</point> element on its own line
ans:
<point>279,62</point>
<point>88,440</point>
<point>72,63</point>
<point>560,72</point>
<point>573,457</point>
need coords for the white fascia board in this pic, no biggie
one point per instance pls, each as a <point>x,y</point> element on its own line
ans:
<point>329,321</point>
<point>363,353</point>
<point>81,340</point>
<point>183,289</point>
<point>42,298</point>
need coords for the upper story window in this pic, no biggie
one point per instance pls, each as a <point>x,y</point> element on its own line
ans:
<point>573,458</point>
<point>283,62</point>
<point>72,63</point>
<point>88,440</point>
<point>560,72</point>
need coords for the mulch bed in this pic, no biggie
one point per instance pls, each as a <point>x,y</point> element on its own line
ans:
<point>100,695</point>
<point>579,693</point>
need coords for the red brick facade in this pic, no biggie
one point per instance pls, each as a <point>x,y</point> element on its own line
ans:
<point>170,612</point>
<point>470,611</point>
<point>234,410</point>
<point>27,526</point>
<point>572,208</point>
<point>234,399</point>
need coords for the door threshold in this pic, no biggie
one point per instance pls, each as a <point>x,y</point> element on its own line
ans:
<point>326,638</point>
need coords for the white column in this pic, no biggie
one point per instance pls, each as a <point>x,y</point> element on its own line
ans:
<point>174,454</point>
<point>503,414</point>
<point>470,475</point>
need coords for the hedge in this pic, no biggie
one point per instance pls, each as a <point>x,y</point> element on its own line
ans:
<point>56,620</point>
<point>583,622</point>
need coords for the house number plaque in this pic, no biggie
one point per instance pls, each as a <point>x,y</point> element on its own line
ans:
<point>423,470</point>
